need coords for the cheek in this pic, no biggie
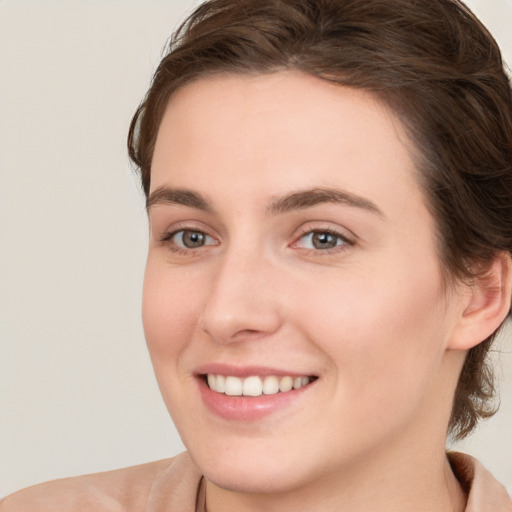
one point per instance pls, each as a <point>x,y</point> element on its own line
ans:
<point>169,313</point>
<point>382,334</point>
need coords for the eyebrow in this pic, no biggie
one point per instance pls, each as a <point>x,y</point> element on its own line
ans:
<point>299,200</point>
<point>177,196</point>
<point>307,198</point>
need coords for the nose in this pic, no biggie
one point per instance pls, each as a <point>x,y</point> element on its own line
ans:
<point>243,300</point>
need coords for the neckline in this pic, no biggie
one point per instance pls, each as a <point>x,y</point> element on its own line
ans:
<point>201,495</point>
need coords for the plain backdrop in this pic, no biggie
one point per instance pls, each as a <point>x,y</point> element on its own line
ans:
<point>77,392</point>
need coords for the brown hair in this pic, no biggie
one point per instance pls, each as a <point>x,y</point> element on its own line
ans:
<point>431,61</point>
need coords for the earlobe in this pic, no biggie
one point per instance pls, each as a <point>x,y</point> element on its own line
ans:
<point>486,305</point>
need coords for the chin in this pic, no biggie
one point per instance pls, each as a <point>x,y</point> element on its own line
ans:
<point>252,480</point>
<point>251,471</point>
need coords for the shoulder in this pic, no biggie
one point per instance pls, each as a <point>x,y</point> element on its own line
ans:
<point>484,491</point>
<point>123,490</point>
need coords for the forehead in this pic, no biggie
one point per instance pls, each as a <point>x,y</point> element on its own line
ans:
<point>282,131</point>
<point>298,105</point>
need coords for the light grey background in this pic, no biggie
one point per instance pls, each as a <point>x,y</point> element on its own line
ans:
<point>77,392</point>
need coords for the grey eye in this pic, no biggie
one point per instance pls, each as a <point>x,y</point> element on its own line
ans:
<point>189,239</point>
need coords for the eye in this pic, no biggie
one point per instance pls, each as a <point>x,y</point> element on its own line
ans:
<point>322,240</point>
<point>190,239</point>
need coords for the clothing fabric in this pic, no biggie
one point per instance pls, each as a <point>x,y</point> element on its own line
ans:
<point>173,485</point>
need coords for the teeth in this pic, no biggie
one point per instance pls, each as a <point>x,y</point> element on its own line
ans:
<point>270,385</point>
<point>285,384</point>
<point>220,383</point>
<point>233,386</point>
<point>254,385</point>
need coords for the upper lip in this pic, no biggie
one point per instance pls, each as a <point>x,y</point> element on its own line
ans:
<point>246,371</point>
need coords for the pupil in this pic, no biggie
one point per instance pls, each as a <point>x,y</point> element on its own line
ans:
<point>193,239</point>
<point>324,241</point>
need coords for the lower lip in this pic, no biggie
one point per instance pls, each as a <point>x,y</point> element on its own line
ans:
<point>247,408</point>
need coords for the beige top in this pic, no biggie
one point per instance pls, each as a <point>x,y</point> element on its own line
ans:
<point>173,485</point>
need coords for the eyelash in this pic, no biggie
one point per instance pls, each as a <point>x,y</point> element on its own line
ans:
<point>167,239</point>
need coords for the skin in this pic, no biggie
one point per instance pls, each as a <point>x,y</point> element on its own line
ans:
<point>372,318</point>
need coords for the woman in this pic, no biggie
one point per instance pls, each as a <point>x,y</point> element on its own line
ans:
<point>329,192</point>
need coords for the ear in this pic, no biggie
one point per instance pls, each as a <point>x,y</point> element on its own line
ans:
<point>486,304</point>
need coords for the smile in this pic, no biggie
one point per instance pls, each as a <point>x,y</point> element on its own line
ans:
<point>254,385</point>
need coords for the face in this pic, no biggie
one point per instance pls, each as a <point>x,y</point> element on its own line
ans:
<point>291,247</point>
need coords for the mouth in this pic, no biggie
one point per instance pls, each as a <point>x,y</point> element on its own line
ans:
<point>255,385</point>
<point>252,393</point>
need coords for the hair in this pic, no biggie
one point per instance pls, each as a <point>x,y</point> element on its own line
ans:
<point>432,62</point>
